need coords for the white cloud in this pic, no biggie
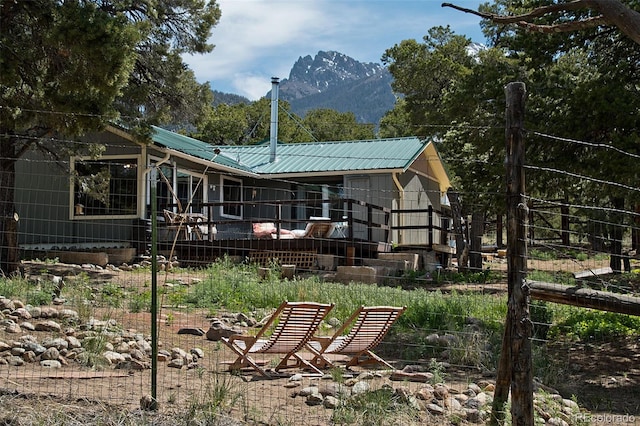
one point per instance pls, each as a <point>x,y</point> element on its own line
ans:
<point>258,39</point>
<point>252,86</point>
<point>254,33</point>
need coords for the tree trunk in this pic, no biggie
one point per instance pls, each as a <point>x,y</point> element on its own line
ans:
<point>564,214</point>
<point>9,255</point>
<point>477,230</point>
<point>616,234</point>
<point>461,246</point>
<point>635,230</point>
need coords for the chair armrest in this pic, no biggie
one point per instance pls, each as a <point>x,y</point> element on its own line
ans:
<point>324,341</point>
<point>245,338</point>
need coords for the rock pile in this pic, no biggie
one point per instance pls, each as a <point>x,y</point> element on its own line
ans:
<point>104,341</point>
<point>473,404</point>
<point>164,264</point>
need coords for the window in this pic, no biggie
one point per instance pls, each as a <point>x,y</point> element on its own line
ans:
<point>179,190</point>
<point>190,191</point>
<point>231,192</point>
<point>105,187</point>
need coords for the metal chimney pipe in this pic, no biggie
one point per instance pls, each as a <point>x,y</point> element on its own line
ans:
<point>274,119</point>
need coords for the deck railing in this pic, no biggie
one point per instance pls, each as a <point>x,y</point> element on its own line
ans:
<point>358,219</point>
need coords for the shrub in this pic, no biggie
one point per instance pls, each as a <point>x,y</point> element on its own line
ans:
<point>596,325</point>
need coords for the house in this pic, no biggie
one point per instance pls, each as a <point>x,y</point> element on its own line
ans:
<point>88,203</point>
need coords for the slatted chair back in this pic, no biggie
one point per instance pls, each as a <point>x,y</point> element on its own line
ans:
<point>370,326</point>
<point>319,229</point>
<point>297,322</point>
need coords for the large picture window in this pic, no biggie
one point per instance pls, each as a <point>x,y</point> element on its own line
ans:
<point>231,192</point>
<point>105,187</point>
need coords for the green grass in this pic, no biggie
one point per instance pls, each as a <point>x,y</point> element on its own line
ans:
<point>538,254</point>
<point>238,288</point>
<point>557,277</point>
<point>139,302</point>
<point>36,293</point>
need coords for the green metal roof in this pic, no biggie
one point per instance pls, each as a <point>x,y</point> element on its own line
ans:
<point>343,156</point>
<point>300,158</point>
<point>194,148</point>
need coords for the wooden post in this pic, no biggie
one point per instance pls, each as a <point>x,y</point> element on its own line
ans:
<point>515,360</point>
<point>351,254</point>
<point>278,220</point>
<point>585,297</point>
<point>369,222</point>
<point>153,178</point>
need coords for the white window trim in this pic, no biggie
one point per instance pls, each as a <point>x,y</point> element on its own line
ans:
<point>229,216</point>
<point>139,183</point>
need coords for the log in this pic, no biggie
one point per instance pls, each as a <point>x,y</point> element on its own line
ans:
<point>585,297</point>
<point>593,272</point>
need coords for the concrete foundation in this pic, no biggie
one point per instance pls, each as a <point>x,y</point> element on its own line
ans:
<point>362,274</point>
<point>411,260</point>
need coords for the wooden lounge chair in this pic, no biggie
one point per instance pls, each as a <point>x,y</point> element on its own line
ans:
<point>367,327</point>
<point>319,230</point>
<point>293,323</point>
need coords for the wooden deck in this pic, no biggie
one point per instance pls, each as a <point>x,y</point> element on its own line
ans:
<point>201,253</point>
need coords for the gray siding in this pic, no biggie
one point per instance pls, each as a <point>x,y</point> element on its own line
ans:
<point>420,192</point>
<point>43,204</point>
<point>377,189</point>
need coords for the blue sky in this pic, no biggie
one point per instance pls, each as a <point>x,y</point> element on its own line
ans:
<point>258,39</point>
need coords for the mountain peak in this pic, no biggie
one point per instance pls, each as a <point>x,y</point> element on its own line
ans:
<point>327,70</point>
<point>336,81</point>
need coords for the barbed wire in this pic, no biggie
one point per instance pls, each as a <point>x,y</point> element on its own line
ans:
<point>591,144</point>
<point>582,177</point>
<point>586,207</point>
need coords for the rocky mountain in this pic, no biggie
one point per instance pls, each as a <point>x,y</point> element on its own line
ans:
<point>336,81</point>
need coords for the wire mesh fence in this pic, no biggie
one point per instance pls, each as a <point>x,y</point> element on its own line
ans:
<point>78,319</point>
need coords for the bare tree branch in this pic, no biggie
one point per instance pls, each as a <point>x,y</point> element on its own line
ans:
<point>564,27</point>
<point>611,12</point>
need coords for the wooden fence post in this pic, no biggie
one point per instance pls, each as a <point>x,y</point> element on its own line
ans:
<point>515,368</point>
